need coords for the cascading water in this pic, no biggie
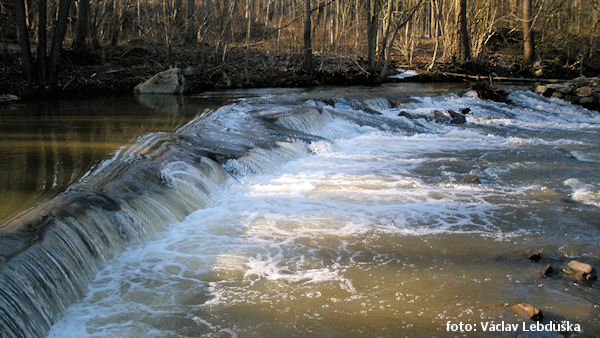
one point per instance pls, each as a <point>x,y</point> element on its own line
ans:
<point>50,254</point>
<point>327,217</point>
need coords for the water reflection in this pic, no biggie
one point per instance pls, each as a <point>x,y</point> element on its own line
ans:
<point>47,145</point>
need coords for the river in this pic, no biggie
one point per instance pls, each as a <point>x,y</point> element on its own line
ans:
<point>329,212</point>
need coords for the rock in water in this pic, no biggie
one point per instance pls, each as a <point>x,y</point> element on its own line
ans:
<point>471,178</point>
<point>170,81</point>
<point>528,311</point>
<point>548,271</point>
<point>457,118</point>
<point>533,255</point>
<point>487,91</point>
<point>584,91</point>
<point>542,90</point>
<point>580,271</point>
<point>8,98</point>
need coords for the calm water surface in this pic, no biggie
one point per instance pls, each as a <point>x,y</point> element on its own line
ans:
<point>47,145</point>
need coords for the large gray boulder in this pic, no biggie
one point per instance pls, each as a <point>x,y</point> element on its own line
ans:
<point>170,81</point>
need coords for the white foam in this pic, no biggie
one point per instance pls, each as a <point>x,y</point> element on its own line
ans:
<point>584,193</point>
<point>404,73</point>
<point>587,155</point>
<point>289,225</point>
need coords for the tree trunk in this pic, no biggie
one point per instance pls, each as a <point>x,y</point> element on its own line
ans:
<point>23,33</point>
<point>436,32</point>
<point>191,34</point>
<point>372,32</point>
<point>356,23</point>
<point>386,33</point>
<point>528,44</point>
<point>41,46</point>
<point>462,34</point>
<point>57,38</point>
<point>82,25</point>
<point>308,61</point>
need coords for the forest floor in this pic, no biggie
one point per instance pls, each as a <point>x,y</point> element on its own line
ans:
<point>118,69</point>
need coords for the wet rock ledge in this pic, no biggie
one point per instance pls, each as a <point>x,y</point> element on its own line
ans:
<point>582,90</point>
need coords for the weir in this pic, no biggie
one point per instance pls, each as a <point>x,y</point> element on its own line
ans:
<point>49,254</point>
<point>355,210</point>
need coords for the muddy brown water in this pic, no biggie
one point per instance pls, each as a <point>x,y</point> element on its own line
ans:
<point>353,220</point>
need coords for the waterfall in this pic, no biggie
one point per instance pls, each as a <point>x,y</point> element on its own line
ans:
<point>49,254</point>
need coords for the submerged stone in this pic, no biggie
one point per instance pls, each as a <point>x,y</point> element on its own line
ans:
<point>471,178</point>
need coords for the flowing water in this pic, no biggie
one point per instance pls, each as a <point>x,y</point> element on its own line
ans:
<point>327,212</point>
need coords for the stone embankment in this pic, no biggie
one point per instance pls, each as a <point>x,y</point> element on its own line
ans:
<point>582,90</point>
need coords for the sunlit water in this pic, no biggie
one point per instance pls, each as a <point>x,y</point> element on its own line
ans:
<point>45,146</point>
<point>371,230</point>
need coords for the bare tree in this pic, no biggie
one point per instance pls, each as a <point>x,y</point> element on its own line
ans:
<point>372,7</point>
<point>41,45</point>
<point>58,38</point>
<point>528,43</point>
<point>23,33</point>
<point>83,10</point>
<point>463,46</point>
<point>191,32</point>
<point>308,62</point>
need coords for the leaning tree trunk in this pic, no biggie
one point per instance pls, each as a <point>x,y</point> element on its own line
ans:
<point>528,44</point>
<point>463,47</point>
<point>82,25</point>
<point>308,61</point>
<point>57,39</point>
<point>23,33</point>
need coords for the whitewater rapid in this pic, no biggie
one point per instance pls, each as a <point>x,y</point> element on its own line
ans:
<point>371,228</point>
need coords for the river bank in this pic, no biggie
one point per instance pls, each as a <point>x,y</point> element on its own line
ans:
<point>119,69</point>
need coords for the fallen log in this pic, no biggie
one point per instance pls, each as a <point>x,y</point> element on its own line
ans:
<point>499,78</point>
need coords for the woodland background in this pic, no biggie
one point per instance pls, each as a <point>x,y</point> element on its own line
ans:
<point>50,44</point>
